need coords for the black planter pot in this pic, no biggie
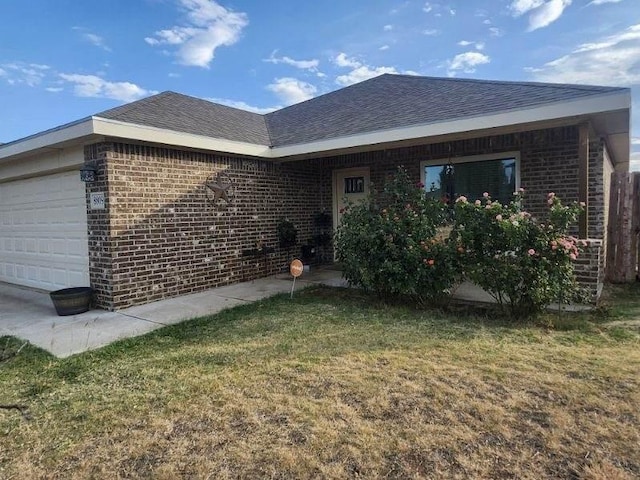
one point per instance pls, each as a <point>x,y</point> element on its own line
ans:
<point>70,301</point>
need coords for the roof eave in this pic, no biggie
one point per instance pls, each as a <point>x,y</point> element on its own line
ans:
<point>129,131</point>
<point>70,133</point>
<point>614,101</point>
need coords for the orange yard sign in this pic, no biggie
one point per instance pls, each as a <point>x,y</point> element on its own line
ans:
<point>296,268</point>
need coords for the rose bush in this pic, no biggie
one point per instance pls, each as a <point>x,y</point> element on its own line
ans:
<point>524,264</point>
<point>389,244</point>
<point>394,245</point>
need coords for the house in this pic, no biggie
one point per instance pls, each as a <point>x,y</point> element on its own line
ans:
<point>187,192</point>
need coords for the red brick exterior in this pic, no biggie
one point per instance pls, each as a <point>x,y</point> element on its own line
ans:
<point>160,236</point>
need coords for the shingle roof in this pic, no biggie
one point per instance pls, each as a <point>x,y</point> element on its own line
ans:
<point>381,103</point>
<point>393,101</point>
<point>182,113</point>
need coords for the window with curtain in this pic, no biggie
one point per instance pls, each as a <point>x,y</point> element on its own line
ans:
<point>472,179</point>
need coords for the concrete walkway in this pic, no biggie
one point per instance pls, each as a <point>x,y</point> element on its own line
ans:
<point>29,314</point>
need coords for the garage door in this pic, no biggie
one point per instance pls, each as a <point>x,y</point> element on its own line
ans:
<point>43,232</point>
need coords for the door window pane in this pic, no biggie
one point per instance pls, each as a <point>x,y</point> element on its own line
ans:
<point>354,185</point>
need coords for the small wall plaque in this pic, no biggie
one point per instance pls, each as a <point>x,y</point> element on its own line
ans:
<point>97,201</point>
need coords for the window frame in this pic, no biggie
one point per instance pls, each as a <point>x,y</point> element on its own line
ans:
<point>472,158</point>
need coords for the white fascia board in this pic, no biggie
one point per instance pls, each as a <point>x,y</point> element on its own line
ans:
<point>47,139</point>
<point>588,106</point>
<point>114,128</point>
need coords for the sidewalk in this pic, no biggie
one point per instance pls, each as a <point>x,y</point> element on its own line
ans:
<point>29,314</point>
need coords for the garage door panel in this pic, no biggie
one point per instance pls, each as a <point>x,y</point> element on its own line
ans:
<point>43,239</point>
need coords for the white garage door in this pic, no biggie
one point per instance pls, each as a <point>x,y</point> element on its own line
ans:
<point>43,232</point>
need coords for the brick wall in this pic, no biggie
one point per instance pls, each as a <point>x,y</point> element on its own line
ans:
<point>160,235</point>
<point>166,236</point>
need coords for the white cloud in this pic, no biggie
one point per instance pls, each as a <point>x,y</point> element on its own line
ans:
<point>384,47</point>
<point>208,27</point>
<point>311,65</point>
<point>520,7</point>
<point>363,73</point>
<point>466,62</point>
<point>432,32</point>
<point>541,12</point>
<point>96,40</point>
<point>495,32</point>
<point>602,2</point>
<point>359,71</point>
<point>635,141</point>
<point>243,106</point>
<point>613,60</point>
<point>342,60</point>
<point>466,43</point>
<point>54,89</point>
<point>387,28</point>
<point>30,74</point>
<point>291,90</point>
<point>94,86</point>
<point>437,8</point>
<point>547,14</point>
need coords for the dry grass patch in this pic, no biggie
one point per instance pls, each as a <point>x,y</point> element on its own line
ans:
<point>330,386</point>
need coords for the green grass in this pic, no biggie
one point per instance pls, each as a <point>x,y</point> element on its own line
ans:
<point>334,384</point>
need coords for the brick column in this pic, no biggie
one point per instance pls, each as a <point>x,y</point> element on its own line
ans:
<point>98,222</point>
<point>589,269</point>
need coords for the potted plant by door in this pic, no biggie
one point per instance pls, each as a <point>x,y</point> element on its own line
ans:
<point>287,234</point>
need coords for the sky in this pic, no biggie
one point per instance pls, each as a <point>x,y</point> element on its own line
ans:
<point>67,59</point>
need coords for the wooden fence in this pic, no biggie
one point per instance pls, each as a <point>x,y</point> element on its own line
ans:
<point>623,227</point>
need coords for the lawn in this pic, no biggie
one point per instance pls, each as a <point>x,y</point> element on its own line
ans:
<point>333,384</point>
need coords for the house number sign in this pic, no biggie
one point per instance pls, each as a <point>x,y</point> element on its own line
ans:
<point>96,201</point>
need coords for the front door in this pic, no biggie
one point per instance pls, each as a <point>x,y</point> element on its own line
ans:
<point>350,185</point>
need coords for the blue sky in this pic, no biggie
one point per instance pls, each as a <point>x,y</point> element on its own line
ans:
<point>64,60</point>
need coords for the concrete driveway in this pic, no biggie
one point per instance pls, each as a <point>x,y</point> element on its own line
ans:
<point>29,314</point>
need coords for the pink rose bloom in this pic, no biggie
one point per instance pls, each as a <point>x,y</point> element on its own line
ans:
<point>462,199</point>
<point>554,247</point>
<point>551,195</point>
<point>485,194</point>
<point>478,202</point>
<point>582,204</point>
<point>573,256</point>
<point>531,251</point>
<point>499,217</point>
<point>521,190</point>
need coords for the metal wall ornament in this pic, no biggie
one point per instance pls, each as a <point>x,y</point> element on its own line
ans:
<point>218,188</point>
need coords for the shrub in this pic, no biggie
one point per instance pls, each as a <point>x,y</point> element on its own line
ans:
<point>388,244</point>
<point>525,265</point>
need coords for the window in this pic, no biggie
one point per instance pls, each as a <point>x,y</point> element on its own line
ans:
<point>472,176</point>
